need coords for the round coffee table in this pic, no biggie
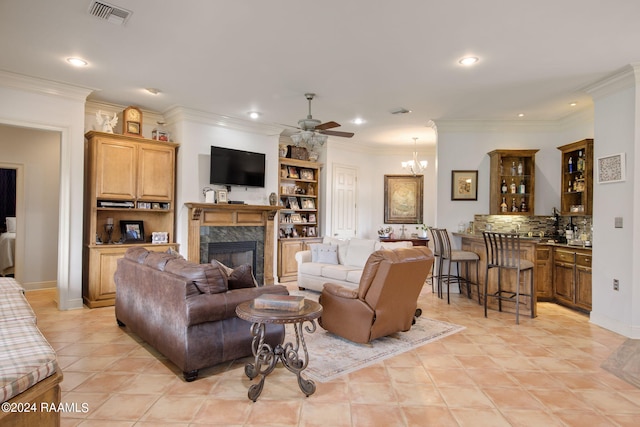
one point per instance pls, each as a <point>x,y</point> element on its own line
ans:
<point>266,357</point>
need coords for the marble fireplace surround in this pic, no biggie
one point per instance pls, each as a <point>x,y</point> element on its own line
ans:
<point>205,215</point>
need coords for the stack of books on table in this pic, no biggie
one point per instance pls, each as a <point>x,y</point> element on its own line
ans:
<point>279,302</point>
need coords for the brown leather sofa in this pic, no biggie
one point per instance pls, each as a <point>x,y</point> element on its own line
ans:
<point>386,299</point>
<point>186,311</point>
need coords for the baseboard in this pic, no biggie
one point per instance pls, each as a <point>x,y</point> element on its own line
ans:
<point>629,331</point>
<point>33,286</point>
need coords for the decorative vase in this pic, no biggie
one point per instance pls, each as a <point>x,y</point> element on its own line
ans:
<point>273,199</point>
<point>282,150</point>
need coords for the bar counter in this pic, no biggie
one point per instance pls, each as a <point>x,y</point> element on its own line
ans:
<point>535,249</point>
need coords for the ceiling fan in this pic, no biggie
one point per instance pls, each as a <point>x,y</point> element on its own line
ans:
<point>310,127</point>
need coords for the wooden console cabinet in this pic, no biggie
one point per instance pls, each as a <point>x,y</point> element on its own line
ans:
<point>130,179</point>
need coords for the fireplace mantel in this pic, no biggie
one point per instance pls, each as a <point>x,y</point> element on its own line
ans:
<point>233,215</point>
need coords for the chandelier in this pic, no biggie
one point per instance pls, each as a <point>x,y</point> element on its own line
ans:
<point>414,166</point>
<point>309,138</point>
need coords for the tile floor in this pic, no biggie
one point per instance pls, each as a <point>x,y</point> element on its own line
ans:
<point>544,372</point>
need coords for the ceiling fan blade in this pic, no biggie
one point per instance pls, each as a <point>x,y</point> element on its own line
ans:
<point>289,126</point>
<point>327,125</point>
<point>337,133</point>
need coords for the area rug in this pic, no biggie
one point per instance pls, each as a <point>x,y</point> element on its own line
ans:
<point>625,362</point>
<point>331,356</point>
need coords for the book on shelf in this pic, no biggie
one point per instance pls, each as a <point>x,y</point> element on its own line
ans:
<point>279,302</point>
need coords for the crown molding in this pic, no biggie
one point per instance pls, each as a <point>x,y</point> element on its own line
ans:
<point>623,78</point>
<point>180,113</point>
<point>43,86</point>
<point>92,107</point>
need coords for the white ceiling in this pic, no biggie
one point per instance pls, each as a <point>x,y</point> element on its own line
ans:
<point>363,58</point>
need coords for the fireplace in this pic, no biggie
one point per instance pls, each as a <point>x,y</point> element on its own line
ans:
<point>235,254</point>
<point>229,227</point>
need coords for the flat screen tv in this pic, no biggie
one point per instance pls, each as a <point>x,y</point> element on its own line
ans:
<point>236,167</point>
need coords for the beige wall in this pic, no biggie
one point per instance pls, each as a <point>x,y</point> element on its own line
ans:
<point>38,152</point>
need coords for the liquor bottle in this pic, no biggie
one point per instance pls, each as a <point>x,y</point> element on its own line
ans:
<point>570,166</point>
<point>513,168</point>
<point>570,187</point>
<point>521,187</point>
<point>513,186</point>
<point>523,206</point>
<point>520,168</point>
<point>580,164</point>
<point>504,189</point>
<point>503,206</point>
<point>514,207</point>
<point>568,232</point>
<point>501,168</point>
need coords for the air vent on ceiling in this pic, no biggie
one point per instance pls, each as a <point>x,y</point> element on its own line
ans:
<point>109,12</point>
<point>400,110</point>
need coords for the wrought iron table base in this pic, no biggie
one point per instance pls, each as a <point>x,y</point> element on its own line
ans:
<point>266,358</point>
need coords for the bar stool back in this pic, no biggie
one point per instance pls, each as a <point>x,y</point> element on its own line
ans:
<point>457,257</point>
<point>503,253</point>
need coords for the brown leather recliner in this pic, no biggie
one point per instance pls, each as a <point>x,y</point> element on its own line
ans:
<point>386,299</point>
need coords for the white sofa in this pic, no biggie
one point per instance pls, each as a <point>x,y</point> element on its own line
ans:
<point>338,261</point>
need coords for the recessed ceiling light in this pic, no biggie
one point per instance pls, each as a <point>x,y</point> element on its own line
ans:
<point>468,60</point>
<point>254,115</point>
<point>573,104</point>
<point>359,121</point>
<point>153,90</point>
<point>521,115</point>
<point>77,62</point>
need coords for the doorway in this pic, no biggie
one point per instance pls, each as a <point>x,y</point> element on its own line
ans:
<point>344,212</point>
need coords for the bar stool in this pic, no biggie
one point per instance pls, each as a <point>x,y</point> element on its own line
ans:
<point>435,275</point>
<point>503,253</point>
<point>454,256</point>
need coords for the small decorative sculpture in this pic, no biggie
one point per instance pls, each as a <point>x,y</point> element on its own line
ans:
<point>106,124</point>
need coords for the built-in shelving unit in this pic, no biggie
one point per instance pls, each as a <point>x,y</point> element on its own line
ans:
<point>516,170</point>
<point>576,192</point>
<point>298,221</point>
<point>126,179</point>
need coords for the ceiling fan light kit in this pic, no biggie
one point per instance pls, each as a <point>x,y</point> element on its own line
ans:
<point>313,132</point>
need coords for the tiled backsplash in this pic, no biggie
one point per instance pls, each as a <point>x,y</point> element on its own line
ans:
<point>534,224</point>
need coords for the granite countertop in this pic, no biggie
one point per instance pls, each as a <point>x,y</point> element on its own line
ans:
<point>534,239</point>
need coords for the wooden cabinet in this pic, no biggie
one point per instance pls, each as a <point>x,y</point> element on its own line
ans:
<point>572,277</point>
<point>287,265</point>
<point>126,179</point>
<point>516,169</point>
<point>299,220</point>
<point>576,191</point>
<point>544,273</point>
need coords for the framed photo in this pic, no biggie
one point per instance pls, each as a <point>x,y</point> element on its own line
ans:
<point>306,174</point>
<point>158,237</point>
<point>403,199</point>
<point>308,203</point>
<point>611,168</point>
<point>221,196</point>
<point>312,217</point>
<point>293,203</point>
<point>293,172</point>
<point>311,231</point>
<point>132,231</point>
<point>296,218</point>
<point>464,185</point>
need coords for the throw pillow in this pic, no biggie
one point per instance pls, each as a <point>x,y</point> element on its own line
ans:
<point>325,254</point>
<point>342,245</point>
<point>207,278</point>
<point>359,251</point>
<point>242,277</point>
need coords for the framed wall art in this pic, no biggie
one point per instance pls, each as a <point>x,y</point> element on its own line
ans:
<point>611,168</point>
<point>403,199</point>
<point>464,185</point>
